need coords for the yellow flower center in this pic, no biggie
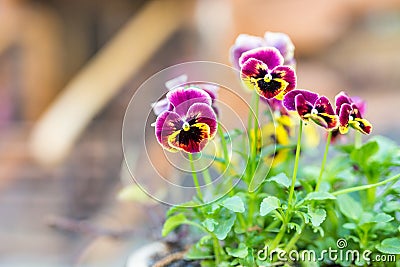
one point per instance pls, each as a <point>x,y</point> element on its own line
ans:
<point>186,126</point>
<point>314,111</point>
<point>268,77</point>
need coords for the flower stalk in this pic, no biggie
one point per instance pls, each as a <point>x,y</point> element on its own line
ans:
<point>195,178</point>
<point>296,165</point>
<point>367,186</point>
<point>321,173</point>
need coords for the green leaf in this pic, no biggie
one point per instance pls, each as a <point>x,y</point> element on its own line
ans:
<point>224,227</point>
<point>382,218</point>
<point>389,246</point>
<point>234,204</point>
<point>210,224</point>
<point>349,207</point>
<point>319,196</point>
<point>391,206</point>
<point>281,179</point>
<point>317,216</point>
<point>350,226</point>
<point>269,204</point>
<point>172,222</point>
<point>241,252</point>
<point>388,150</point>
<point>362,154</point>
<point>199,252</point>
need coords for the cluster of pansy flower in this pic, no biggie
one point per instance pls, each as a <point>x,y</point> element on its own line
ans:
<point>187,117</point>
<point>312,107</point>
<point>268,67</point>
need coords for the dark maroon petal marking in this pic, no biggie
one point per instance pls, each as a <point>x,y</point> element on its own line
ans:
<point>322,105</point>
<point>202,113</point>
<point>254,68</point>
<point>344,115</point>
<point>303,107</point>
<point>269,89</point>
<point>288,74</point>
<point>192,140</point>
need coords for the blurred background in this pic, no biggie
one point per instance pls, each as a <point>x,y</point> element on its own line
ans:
<point>69,68</point>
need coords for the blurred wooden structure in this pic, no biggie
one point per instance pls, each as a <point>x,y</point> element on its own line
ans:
<point>103,77</point>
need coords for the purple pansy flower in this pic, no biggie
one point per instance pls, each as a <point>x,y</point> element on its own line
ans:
<point>262,70</point>
<point>311,106</point>
<point>280,41</point>
<point>190,124</point>
<point>350,114</point>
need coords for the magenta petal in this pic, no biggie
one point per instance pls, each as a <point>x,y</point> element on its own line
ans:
<point>212,90</point>
<point>166,124</point>
<point>289,99</point>
<point>288,74</point>
<point>243,43</point>
<point>268,55</point>
<point>182,99</point>
<point>202,113</point>
<point>282,42</point>
<point>340,99</point>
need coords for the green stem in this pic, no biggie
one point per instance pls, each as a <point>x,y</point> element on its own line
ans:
<point>251,209</point>
<point>195,178</point>
<point>241,220</point>
<point>255,133</point>
<point>217,250</point>
<point>278,237</point>
<point>296,165</point>
<point>272,225</point>
<point>294,239</point>
<point>365,187</point>
<point>217,246</point>
<point>224,146</point>
<point>328,142</point>
<point>357,139</point>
